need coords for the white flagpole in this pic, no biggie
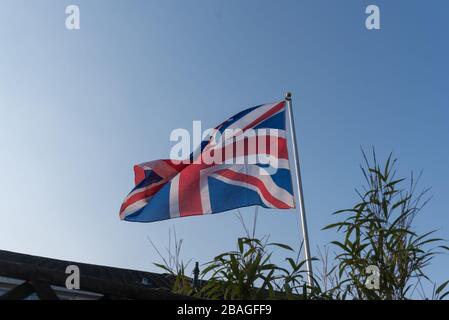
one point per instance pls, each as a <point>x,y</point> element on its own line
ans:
<point>300,193</point>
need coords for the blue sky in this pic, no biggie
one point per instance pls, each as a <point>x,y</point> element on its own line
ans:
<point>79,108</point>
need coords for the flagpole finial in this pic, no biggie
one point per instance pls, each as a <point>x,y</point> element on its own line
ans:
<point>288,96</point>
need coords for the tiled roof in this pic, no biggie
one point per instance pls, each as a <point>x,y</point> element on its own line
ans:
<point>109,281</point>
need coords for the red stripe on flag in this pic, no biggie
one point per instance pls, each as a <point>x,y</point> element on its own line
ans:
<point>141,196</point>
<point>232,175</point>
<point>189,191</point>
<point>249,146</point>
<point>266,115</point>
<point>139,174</point>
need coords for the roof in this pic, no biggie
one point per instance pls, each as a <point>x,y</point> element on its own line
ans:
<point>40,274</point>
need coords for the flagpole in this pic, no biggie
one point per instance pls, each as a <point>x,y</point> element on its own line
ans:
<point>300,193</point>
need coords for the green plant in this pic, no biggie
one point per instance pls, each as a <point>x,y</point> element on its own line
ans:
<point>243,274</point>
<point>247,272</point>
<point>378,231</point>
<point>174,266</point>
<point>438,293</point>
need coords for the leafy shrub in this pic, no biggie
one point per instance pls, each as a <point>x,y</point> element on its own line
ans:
<point>378,231</point>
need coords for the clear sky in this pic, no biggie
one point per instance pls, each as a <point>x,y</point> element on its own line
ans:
<point>79,108</point>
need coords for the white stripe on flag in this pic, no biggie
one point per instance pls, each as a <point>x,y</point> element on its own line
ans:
<point>174,197</point>
<point>254,171</point>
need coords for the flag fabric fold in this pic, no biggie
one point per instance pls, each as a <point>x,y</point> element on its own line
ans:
<point>244,163</point>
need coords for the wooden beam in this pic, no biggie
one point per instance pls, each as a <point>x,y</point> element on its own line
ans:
<point>19,292</point>
<point>44,291</point>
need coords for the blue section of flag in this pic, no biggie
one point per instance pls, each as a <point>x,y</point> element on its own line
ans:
<point>155,210</point>
<point>236,197</point>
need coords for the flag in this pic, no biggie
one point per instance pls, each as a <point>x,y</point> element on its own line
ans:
<point>244,162</point>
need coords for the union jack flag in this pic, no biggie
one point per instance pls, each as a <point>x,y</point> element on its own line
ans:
<point>166,189</point>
